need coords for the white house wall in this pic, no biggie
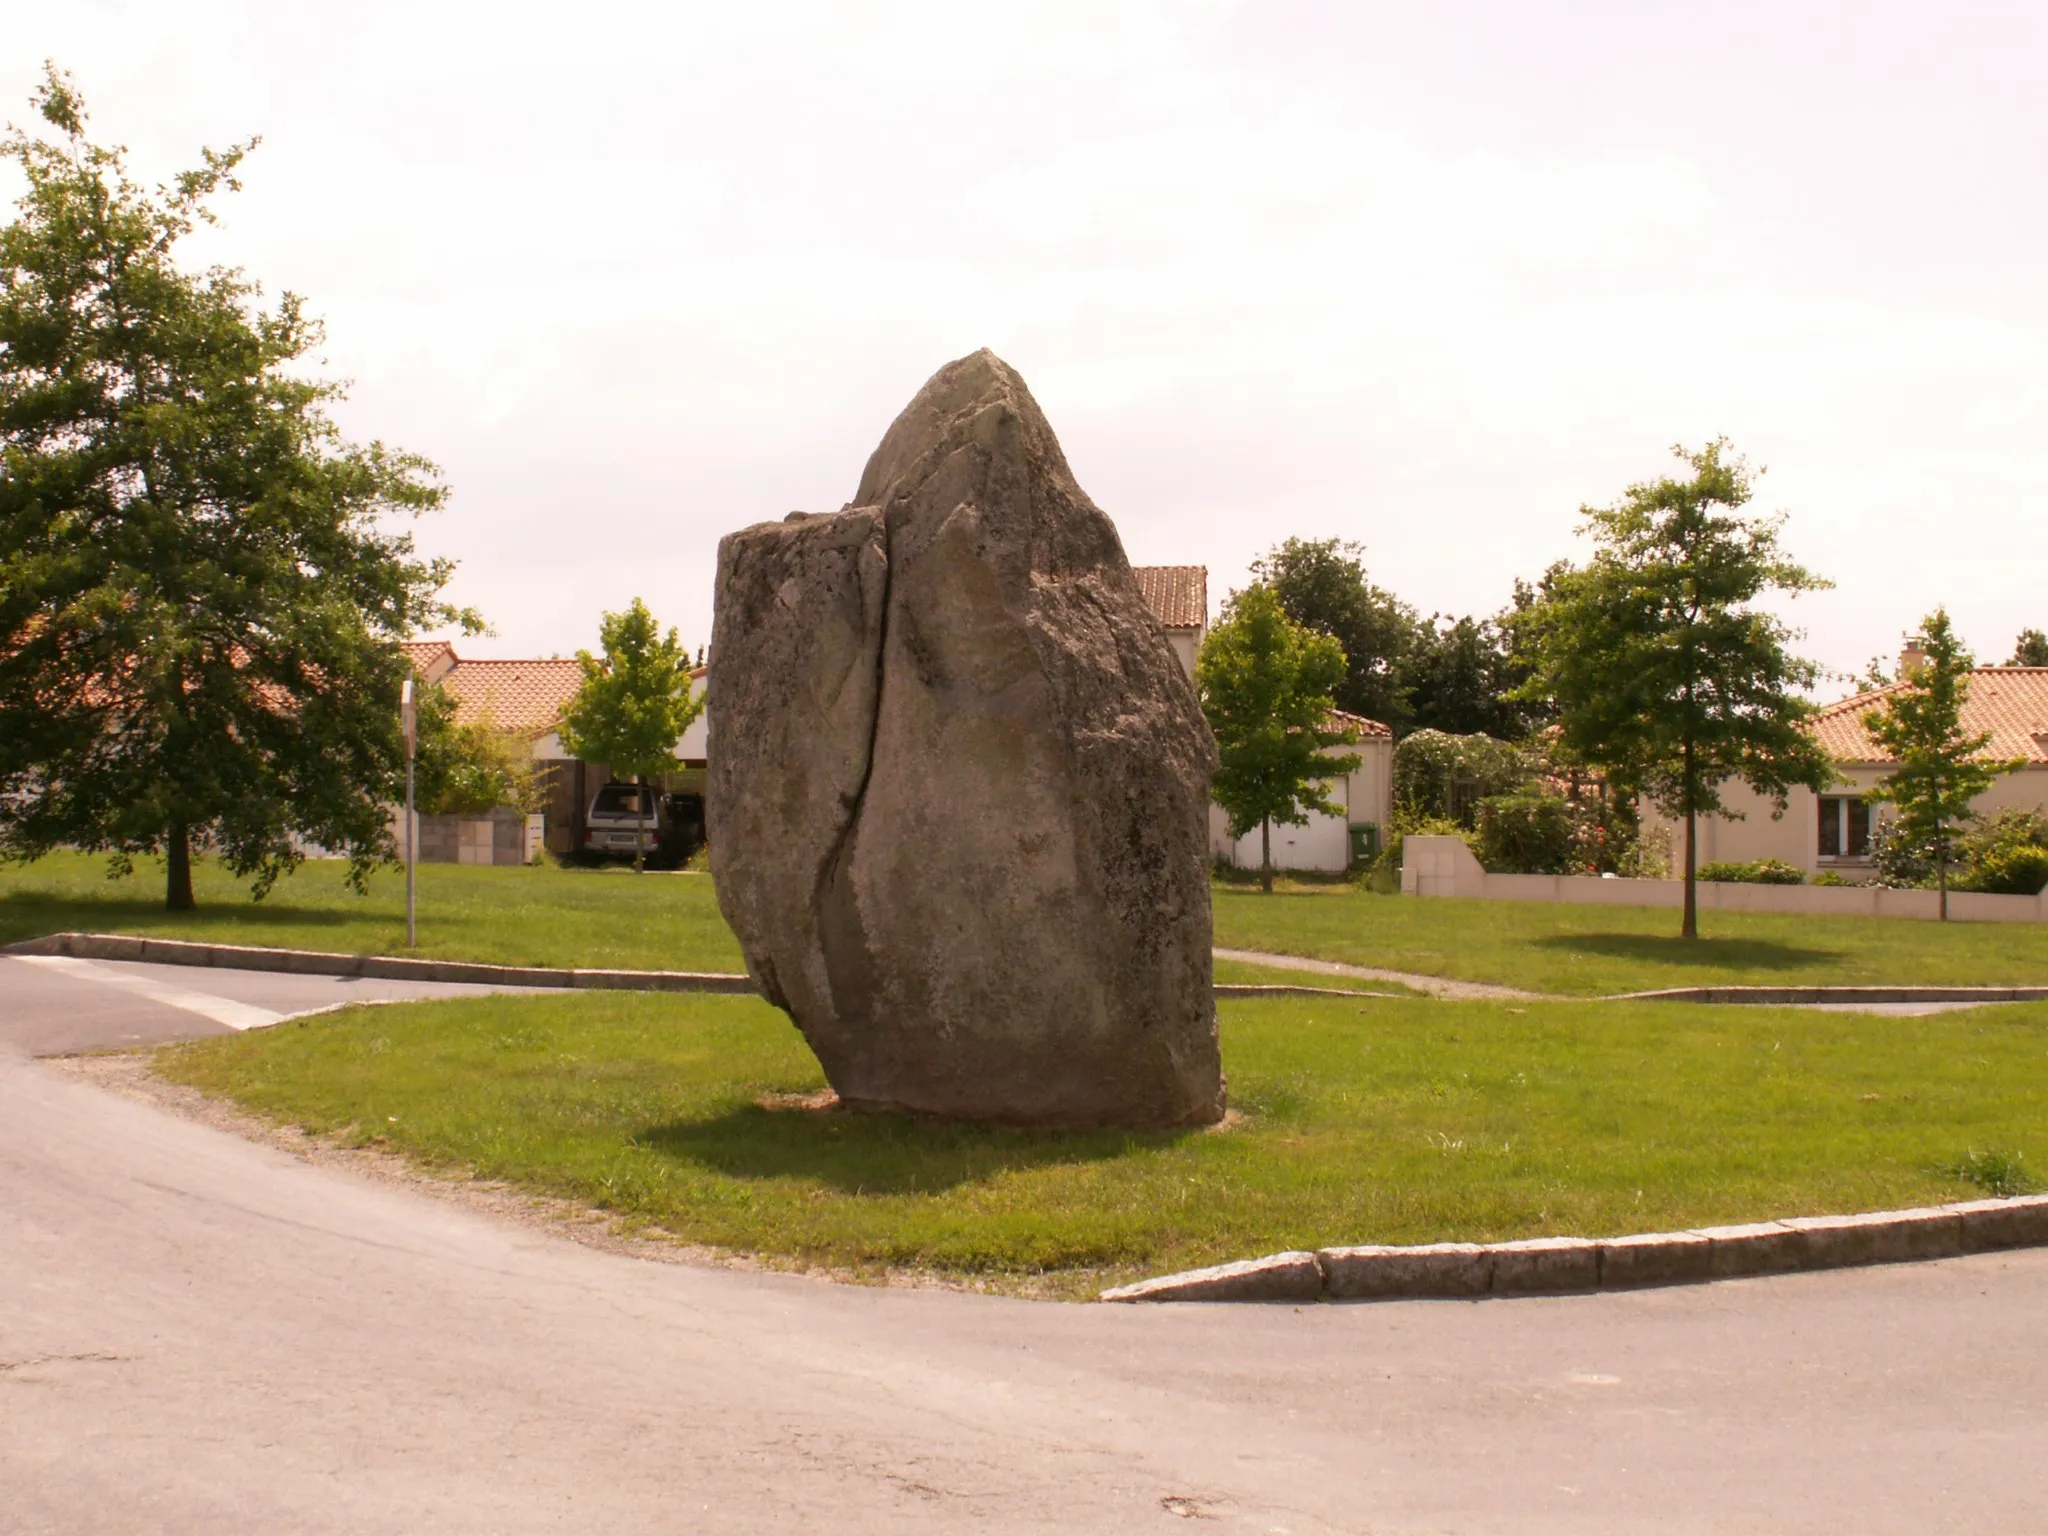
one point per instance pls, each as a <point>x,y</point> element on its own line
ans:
<point>1795,837</point>
<point>1325,843</point>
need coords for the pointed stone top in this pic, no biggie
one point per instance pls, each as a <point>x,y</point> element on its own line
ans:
<point>941,413</point>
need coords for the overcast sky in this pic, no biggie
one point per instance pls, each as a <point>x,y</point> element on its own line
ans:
<point>1428,276</point>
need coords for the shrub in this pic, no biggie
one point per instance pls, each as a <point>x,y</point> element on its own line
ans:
<point>1899,860</point>
<point>1755,872</point>
<point>1642,854</point>
<point>1442,776</point>
<point>1830,878</point>
<point>2007,855</point>
<point>1531,832</point>
<point>2019,871</point>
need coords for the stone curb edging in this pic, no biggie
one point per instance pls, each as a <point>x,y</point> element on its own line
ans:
<point>316,962</point>
<point>313,962</point>
<point>1556,1265</point>
<point>1285,989</point>
<point>1796,995</point>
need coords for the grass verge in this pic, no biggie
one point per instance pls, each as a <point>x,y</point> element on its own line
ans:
<point>521,916</point>
<point>548,916</point>
<point>1592,951</point>
<point>1379,1120</point>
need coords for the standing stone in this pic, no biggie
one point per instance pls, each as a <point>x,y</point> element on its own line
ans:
<point>959,793</point>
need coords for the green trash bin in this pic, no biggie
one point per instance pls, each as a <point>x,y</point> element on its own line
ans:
<point>1365,842</point>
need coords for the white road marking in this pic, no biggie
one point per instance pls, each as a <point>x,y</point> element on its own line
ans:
<point>221,1010</point>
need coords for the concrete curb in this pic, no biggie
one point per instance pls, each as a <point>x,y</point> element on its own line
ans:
<point>316,962</point>
<point>313,962</point>
<point>1797,995</point>
<point>1285,989</point>
<point>1561,1265</point>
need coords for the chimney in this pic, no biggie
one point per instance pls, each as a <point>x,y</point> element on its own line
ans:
<point>1912,657</point>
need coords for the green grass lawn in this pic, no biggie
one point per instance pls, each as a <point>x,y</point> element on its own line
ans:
<point>1368,1120</point>
<point>526,916</point>
<point>548,916</point>
<point>1589,951</point>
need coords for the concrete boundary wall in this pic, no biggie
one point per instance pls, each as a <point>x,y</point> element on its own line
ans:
<point>1444,866</point>
<point>1556,1265</point>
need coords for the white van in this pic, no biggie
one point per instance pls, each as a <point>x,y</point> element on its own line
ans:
<point>626,821</point>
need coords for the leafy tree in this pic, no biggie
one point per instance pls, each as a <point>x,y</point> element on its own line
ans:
<point>467,768</point>
<point>1940,770</point>
<point>199,595</point>
<point>635,704</point>
<point>2030,650</point>
<point>1663,675</point>
<point>1266,684</point>
<point>1461,676</point>
<point>1321,583</point>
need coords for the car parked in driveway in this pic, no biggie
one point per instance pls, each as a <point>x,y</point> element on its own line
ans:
<point>628,821</point>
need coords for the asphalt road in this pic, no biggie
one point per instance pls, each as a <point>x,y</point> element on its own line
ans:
<point>201,1334</point>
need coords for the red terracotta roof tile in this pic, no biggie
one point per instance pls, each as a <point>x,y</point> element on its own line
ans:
<point>1343,720</point>
<point>2009,702</point>
<point>523,696</point>
<point>1178,595</point>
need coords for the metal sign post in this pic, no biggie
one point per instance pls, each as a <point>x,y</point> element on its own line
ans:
<point>409,714</point>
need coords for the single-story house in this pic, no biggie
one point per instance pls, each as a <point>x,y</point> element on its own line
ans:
<point>528,698</point>
<point>1830,831</point>
<point>1178,596</point>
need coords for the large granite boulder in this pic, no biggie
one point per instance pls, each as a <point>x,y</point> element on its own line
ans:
<point>959,788</point>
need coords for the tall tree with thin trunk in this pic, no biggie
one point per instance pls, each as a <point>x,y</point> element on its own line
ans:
<point>200,591</point>
<point>635,702</point>
<point>1265,683</point>
<point>1664,674</point>
<point>1940,771</point>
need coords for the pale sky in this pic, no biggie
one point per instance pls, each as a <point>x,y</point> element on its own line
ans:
<point>1427,276</point>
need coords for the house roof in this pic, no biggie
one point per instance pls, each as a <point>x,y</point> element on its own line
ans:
<point>526,697</point>
<point>424,653</point>
<point>2009,702</point>
<point>1343,720</point>
<point>1178,595</point>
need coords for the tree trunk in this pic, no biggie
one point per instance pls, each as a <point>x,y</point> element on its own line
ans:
<point>1689,926</point>
<point>639,847</point>
<point>1941,870</point>
<point>178,868</point>
<point>1266,856</point>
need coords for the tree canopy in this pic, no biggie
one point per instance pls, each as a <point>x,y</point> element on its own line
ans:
<point>200,586</point>
<point>1321,583</point>
<point>1266,686</point>
<point>1940,770</point>
<point>1410,673</point>
<point>635,702</point>
<point>1664,675</point>
<point>2030,650</point>
<point>468,767</point>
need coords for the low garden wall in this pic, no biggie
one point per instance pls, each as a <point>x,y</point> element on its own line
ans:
<point>505,836</point>
<point>1444,866</point>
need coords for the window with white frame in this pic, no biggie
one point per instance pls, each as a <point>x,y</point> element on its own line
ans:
<point>1844,827</point>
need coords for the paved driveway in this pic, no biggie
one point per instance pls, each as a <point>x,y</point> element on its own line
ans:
<point>200,1334</point>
